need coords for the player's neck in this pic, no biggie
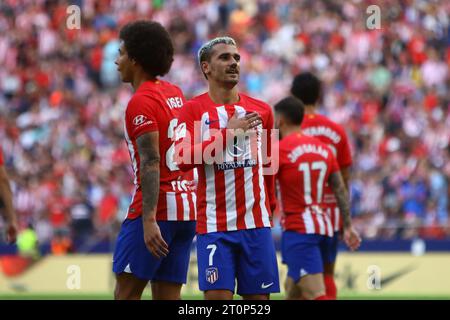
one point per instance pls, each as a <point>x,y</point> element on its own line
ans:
<point>140,78</point>
<point>310,109</point>
<point>286,131</point>
<point>221,95</point>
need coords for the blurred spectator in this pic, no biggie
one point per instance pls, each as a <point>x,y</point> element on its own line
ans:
<point>27,243</point>
<point>61,244</point>
<point>413,194</point>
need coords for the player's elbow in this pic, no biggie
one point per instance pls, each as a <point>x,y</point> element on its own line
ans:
<point>150,164</point>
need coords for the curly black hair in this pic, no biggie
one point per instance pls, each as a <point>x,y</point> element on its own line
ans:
<point>150,45</point>
<point>306,87</point>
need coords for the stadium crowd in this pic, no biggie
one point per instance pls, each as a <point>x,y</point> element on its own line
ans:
<point>61,101</point>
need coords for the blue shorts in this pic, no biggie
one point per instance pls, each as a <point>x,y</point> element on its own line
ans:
<point>304,253</point>
<point>132,256</point>
<point>246,255</point>
<point>331,249</point>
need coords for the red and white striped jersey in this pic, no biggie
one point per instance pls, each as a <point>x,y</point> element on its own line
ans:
<point>333,135</point>
<point>155,107</point>
<point>305,167</point>
<point>232,194</point>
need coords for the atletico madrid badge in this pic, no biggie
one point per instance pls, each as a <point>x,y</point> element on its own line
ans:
<point>212,274</point>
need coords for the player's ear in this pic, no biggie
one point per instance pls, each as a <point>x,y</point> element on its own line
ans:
<point>205,67</point>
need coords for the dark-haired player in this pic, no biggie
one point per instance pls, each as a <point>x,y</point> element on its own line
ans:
<point>155,239</point>
<point>306,164</point>
<point>307,87</point>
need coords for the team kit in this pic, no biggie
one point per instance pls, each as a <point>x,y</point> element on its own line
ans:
<point>217,167</point>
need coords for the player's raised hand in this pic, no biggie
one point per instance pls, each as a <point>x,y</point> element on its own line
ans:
<point>154,240</point>
<point>352,238</point>
<point>250,121</point>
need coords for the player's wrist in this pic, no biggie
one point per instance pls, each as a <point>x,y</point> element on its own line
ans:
<point>149,219</point>
<point>347,225</point>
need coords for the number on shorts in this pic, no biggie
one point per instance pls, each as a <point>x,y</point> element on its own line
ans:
<point>213,248</point>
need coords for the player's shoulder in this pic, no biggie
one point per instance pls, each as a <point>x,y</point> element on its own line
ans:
<point>142,99</point>
<point>200,99</point>
<point>331,123</point>
<point>313,140</point>
<point>139,98</point>
<point>314,120</point>
<point>192,106</point>
<point>197,100</point>
<point>166,85</point>
<point>255,102</point>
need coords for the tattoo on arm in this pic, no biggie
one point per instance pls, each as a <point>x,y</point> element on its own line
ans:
<point>341,194</point>
<point>346,176</point>
<point>148,148</point>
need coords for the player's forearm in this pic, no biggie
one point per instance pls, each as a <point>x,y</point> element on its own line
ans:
<point>148,148</point>
<point>346,177</point>
<point>342,197</point>
<point>6,197</point>
<point>150,188</point>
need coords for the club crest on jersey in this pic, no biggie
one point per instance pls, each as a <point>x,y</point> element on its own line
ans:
<point>140,119</point>
<point>239,147</point>
<point>212,275</point>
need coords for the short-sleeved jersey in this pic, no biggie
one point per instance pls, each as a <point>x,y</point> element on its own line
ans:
<point>334,136</point>
<point>154,107</point>
<point>232,194</point>
<point>305,167</point>
<point>1,158</point>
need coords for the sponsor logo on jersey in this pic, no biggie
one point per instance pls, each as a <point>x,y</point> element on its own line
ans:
<point>236,165</point>
<point>140,120</point>
<point>208,122</point>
